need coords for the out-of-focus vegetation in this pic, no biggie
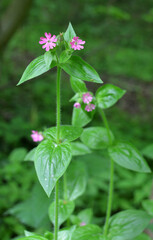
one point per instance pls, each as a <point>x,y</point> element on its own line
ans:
<point>119,44</point>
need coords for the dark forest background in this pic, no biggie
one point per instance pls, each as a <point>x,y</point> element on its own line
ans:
<point>119,44</point>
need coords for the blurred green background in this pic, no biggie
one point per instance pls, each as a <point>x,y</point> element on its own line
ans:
<point>119,46</point>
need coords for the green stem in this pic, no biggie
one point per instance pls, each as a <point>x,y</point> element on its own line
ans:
<point>110,196</point>
<point>58,120</point>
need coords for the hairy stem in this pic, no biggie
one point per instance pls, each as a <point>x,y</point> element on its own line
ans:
<point>110,196</point>
<point>58,120</point>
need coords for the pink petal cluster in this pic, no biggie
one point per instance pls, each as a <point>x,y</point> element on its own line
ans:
<point>77,105</point>
<point>87,97</point>
<point>36,136</point>
<point>90,107</point>
<point>82,224</point>
<point>49,42</point>
<point>76,43</point>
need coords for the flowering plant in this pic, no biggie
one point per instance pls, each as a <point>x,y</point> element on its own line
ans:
<point>54,153</point>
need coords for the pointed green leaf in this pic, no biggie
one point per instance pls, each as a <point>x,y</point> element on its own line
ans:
<point>65,209</point>
<point>80,117</point>
<point>48,57</point>
<point>66,234</point>
<point>127,224</point>
<point>108,95</point>
<point>35,68</point>
<point>127,156</point>
<point>69,133</point>
<point>88,232</point>
<point>143,236</point>
<point>51,161</point>
<point>78,85</point>
<point>79,148</point>
<point>77,67</point>
<point>69,34</point>
<point>96,137</point>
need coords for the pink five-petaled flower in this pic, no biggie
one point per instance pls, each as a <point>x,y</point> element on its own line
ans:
<point>82,224</point>
<point>49,42</point>
<point>90,107</point>
<point>76,43</point>
<point>36,136</point>
<point>77,105</point>
<point>87,97</point>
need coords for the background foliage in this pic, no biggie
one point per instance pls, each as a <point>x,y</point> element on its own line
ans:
<point>119,44</point>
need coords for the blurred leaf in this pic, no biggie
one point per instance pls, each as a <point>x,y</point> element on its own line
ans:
<point>33,211</point>
<point>69,133</point>
<point>17,155</point>
<point>127,224</point>
<point>65,209</point>
<point>96,137</point>
<point>88,232</point>
<point>85,216</point>
<point>148,151</point>
<point>143,236</point>
<point>30,155</point>
<point>108,95</point>
<point>77,67</point>
<point>79,148</point>
<point>148,206</point>
<point>76,180</point>
<point>128,156</point>
<point>78,85</point>
<point>34,237</point>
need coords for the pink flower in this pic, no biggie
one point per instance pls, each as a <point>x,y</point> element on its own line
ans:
<point>76,43</point>
<point>82,224</point>
<point>87,97</point>
<point>77,105</point>
<point>90,107</point>
<point>49,42</point>
<point>36,136</point>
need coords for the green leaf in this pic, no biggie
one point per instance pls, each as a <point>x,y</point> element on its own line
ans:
<point>34,237</point>
<point>143,236</point>
<point>128,157</point>
<point>27,233</point>
<point>148,151</point>
<point>79,148</point>
<point>127,224</point>
<point>35,68</point>
<point>88,232</point>
<point>76,180</point>
<point>65,55</point>
<point>80,117</point>
<point>108,95</point>
<point>148,206</point>
<point>17,155</point>
<point>48,57</point>
<point>69,133</point>
<point>77,85</point>
<point>49,235</point>
<point>51,161</point>
<point>86,215</point>
<point>30,155</point>
<point>76,67</point>
<point>65,210</point>
<point>33,211</point>
<point>96,137</point>
<point>66,234</point>
<point>69,34</point>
